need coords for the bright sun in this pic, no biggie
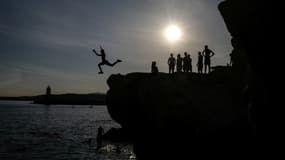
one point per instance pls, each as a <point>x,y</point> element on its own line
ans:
<point>172,33</point>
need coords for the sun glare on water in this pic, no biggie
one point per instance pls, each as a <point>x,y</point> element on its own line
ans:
<point>172,33</point>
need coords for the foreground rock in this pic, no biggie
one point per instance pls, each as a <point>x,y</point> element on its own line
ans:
<point>162,111</point>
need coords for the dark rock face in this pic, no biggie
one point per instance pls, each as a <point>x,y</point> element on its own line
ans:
<point>255,26</point>
<point>164,99</point>
<point>163,111</point>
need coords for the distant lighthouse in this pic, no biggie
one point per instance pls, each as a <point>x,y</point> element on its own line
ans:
<point>48,91</point>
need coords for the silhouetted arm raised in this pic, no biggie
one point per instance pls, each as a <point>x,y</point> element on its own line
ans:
<point>96,52</point>
<point>203,53</point>
<point>213,53</point>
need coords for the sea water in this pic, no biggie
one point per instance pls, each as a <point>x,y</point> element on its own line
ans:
<point>57,132</point>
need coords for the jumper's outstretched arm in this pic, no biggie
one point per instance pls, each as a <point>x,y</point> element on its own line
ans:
<point>96,52</point>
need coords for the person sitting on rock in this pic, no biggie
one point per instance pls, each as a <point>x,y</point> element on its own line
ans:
<point>104,61</point>
<point>154,68</point>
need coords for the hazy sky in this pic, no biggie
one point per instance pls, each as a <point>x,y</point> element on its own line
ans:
<point>49,42</point>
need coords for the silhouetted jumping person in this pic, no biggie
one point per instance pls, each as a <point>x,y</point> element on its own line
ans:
<point>207,53</point>
<point>104,61</point>
<point>171,63</point>
<point>154,68</point>
<point>179,63</point>
<point>200,63</point>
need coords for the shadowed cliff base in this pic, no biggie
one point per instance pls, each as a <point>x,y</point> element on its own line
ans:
<point>178,112</point>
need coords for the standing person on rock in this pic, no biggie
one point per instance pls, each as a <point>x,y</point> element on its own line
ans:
<point>207,53</point>
<point>171,63</point>
<point>179,63</point>
<point>200,63</point>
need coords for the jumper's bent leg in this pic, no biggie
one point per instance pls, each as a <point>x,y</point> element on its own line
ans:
<point>99,66</point>
<point>112,64</point>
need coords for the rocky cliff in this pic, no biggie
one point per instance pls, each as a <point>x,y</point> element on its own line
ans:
<point>165,110</point>
<point>186,114</point>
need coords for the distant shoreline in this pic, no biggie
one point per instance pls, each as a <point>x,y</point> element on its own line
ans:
<point>63,99</point>
<point>25,98</point>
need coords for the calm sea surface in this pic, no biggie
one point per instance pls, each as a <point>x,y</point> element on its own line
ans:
<point>60,132</point>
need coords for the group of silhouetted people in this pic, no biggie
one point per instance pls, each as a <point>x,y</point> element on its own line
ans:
<point>182,64</point>
<point>185,64</point>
